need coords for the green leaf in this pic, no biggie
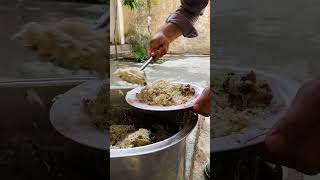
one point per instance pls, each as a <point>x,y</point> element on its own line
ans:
<point>132,4</point>
<point>139,53</point>
<point>160,61</point>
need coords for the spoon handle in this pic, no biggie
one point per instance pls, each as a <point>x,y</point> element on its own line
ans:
<point>146,63</point>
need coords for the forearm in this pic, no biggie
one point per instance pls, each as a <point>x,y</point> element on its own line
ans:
<point>171,31</point>
<point>181,22</point>
<point>186,16</point>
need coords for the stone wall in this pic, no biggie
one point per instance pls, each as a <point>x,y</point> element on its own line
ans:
<point>137,20</point>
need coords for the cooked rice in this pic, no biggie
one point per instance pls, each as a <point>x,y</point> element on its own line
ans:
<point>122,136</point>
<point>119,132</point>
<point>230,120</point>
<point>71,45</point>
<point>125,128</point>
<point>233,111</point>
<point>126,136</point>
<point>132,75</point>
<point>163,93</point>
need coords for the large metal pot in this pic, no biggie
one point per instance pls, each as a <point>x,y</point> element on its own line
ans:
<point>164,160</point>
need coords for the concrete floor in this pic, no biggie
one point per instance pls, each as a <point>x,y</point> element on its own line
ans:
<point>185,69</point>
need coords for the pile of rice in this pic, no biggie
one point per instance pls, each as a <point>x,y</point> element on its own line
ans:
<point>132,75</point>
<point>124,127</point>
<point>229,120</point>
<point>71,45</point>
<point>163,93</point>
<point>127,136</point>
<point>239,101</point>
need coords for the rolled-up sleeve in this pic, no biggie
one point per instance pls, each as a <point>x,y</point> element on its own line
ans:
<point>186,16</point>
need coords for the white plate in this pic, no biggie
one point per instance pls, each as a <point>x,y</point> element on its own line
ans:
<point>283,90</point>
<point>131,98</point>
<point>68,117</point>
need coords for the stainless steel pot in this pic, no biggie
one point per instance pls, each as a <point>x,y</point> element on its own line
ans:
<point>164,160</point>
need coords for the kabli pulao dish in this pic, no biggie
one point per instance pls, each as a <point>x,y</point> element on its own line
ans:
<point>164,93</point>
<point>127,128</point>
<point>239,101</point>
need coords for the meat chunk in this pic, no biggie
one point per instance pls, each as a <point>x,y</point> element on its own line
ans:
<point>187,90</point>
<point>244,91</point>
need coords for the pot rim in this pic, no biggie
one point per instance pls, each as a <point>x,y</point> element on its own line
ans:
<point>158,146</point>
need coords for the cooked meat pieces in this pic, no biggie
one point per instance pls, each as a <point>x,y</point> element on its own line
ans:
<point>244,91</point>
<point>239,101</point>
<point>187,90</point>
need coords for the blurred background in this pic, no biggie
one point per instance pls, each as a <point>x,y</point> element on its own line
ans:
<point>278,37</point>
<point>30,147</point>
<point>19,62</point>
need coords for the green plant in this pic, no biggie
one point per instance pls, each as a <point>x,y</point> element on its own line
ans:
<point>160,61</point>
<point>137,36</point>
<point>132,4</point>
<point>139,53</point>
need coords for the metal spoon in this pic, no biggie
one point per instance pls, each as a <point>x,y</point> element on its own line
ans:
<point>147,62</point>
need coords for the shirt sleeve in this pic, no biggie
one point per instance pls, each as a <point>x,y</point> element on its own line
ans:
<point>186,16</point>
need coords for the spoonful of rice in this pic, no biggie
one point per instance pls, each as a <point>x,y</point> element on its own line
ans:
<point>132,75</point>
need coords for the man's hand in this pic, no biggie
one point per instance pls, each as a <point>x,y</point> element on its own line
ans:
<point>295,141</point>
<point>159,44</point>
<point>202,105</point>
